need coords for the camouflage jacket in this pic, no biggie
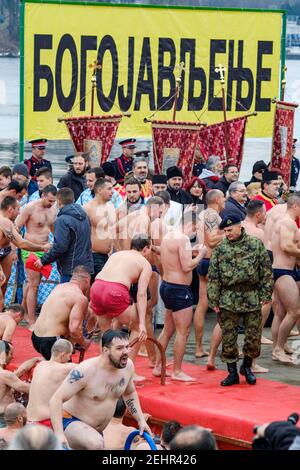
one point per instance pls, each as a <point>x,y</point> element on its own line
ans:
<point>240,275</point>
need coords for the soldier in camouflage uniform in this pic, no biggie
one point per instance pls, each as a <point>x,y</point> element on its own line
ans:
<point>240,281</point>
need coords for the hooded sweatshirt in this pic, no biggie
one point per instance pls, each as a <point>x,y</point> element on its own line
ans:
<point>72,241</point>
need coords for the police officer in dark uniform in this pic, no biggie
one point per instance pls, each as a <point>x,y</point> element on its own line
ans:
<point>37,161</point>
<point>295,167</point>
<point>123,164</point>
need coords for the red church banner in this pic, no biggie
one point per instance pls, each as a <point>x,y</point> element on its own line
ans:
<point>283,138</point>
<point>174,143</point>
<point>94,135</point>
<point>212,140</point>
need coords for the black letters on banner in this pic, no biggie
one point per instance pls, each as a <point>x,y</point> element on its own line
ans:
<point>42,72</point>
<point>125,101</point>
<point>166,73</point>
<point>145,86</point>
<point>239,74</point>
<point>107,44</point>
<point>216,46</point>
<point>88,43</point>
<point>262,75</point>
<point>66,43</point>
<point>197,74</point>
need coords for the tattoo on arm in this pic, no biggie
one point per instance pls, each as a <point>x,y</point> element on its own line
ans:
<point>74,376</point>
<point>130,406</point>
<point>211,222</point>
<point>9,234</point>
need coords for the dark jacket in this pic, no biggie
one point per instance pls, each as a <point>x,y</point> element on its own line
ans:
<point>253,180</point>
<point>72,240</point>
<point>222,185</point>
<point>76,182</point>
<point>181,196</point>
<point>234,208</point>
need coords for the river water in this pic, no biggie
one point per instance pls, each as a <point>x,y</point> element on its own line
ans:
<point>255,149</point>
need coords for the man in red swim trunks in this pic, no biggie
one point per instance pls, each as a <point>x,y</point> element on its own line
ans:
<point>110,297</point>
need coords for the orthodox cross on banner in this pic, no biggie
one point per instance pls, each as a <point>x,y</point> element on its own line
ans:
<point>220,69</point>
<point>95,66</point>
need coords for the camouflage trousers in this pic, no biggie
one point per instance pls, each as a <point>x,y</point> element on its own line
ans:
<point>229,322</point>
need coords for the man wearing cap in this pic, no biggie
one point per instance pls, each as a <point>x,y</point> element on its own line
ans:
<point>258,170</point>
<point>37,161</point>
<point>270,189</point>
<point>123,164</point>
<point>174,188</point>
<point>240,282</point>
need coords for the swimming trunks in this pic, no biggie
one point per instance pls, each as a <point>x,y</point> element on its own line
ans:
<point>202,268</point>
<point>43,344</point>
<point>109,298</point>
<point>294,273</point>
<point>154,269</point>
<point>25,254</point>
<point>133,292</point>
<point>99,260</point>
<point>43,422</point>
<point>67,419</point>
<point>5,252</point>
<point>176,296</point>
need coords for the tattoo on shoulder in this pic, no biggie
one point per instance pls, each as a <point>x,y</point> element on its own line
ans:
<point>130,405</point>
<point>9,234</point>
<point>74,376</point>
<point>211,221</point>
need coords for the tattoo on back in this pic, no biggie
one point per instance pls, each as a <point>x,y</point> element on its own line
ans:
<point>130,406</point>
<point>74,376</point>
<point>211,222</point>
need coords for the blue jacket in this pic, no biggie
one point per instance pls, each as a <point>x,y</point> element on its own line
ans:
<point>233,207</point>
<point>72,240</point>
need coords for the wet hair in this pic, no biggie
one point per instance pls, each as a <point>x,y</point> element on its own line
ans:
<point>254,206</point>
<point>140,241</point>
<point>35,437</point>
<point>61,346</point>
<point>66,196</point>
<point>17,308</point>
<point>100,183</point>
<point>5,171</point>
<point>44,171</point>
<point>169,430</point>
<point>132,181</point>
<point>8,201</point>
<point>193,438</point>
<point>12,411</point>
<point>165,196</point>
<point>98,171</point>
<point>109,335</point>
<point>49,189</point>
<point>120,408</point>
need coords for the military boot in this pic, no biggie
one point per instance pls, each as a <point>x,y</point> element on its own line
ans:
<point>233,377</point>
<point>245,370</point>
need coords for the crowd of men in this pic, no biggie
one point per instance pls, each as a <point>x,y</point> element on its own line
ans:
<point>120,237</point>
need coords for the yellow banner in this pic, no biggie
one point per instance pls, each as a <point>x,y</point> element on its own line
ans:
<point>140,50</point>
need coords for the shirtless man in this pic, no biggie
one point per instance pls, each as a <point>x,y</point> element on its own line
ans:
<point>15,418</point>
<point>285,252</point>
<point>101,213</point>
<point>177,263</point>
<point>10,381</point>
<point>9,320</point>
<point>110,296</point>
<point>9,210</point>
<point>116,433</point>
<point>88,396</point>
<point>63,313</point>
<point>16,189</point>
<point>208,233</point>
<point>47,377</point>
<point>38,218</point>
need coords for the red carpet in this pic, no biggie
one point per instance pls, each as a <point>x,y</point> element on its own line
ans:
<point>230,412</point>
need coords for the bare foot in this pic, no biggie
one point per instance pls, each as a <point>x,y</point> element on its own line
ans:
<point>157,372</point>
<point>294,333</point>
<point>168,364</point>
<point>265,340</point>
<point>280,356</point>
<point>181,376</point>
<point>287,349</point>
<point>210,365</point>
<point>257,369</point>
<point>200,354</point>
<point>138,378</point>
